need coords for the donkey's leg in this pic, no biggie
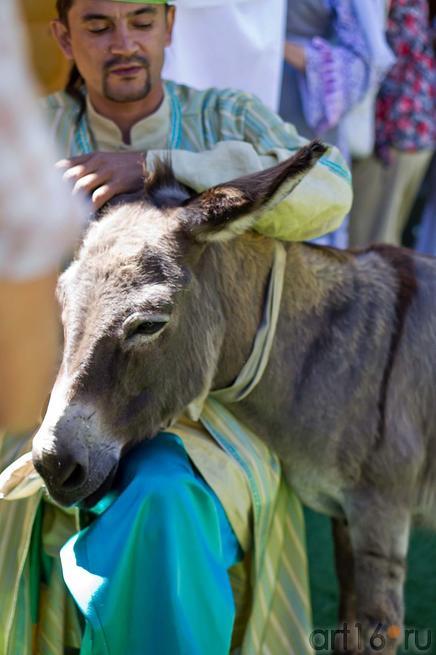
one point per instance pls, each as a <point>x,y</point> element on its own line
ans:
<point>379,531</point>
<point>346,637</point>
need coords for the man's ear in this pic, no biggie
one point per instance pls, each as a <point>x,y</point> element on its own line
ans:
<point>231,208</point>
<point>61,35</point>
<point>169,18</point>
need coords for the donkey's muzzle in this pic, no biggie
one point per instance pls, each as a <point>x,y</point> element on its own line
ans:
<point>65,471</point>
<point>76,477</point>
<point>71,455</point>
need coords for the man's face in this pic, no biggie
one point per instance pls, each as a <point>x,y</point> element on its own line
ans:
<point>117,47</point>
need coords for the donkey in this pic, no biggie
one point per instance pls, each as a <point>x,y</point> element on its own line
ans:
<point>162,304</point>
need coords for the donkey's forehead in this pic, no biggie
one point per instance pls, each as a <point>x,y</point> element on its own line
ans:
<point>133,242</point>
<point>132,249</point>
<point>129,229</point>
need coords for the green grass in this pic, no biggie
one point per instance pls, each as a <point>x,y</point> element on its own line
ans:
<point>420,587</point>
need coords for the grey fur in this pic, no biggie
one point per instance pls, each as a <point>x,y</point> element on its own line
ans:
<point>347,400</point>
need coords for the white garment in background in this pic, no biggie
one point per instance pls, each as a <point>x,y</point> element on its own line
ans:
<point>229,43</point>
<point>372,16</point>
<point>40,221</point>
<point>358,126</point>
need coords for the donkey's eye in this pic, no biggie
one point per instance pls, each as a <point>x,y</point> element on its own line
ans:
<point>144,326</point>
<point>148,328</point>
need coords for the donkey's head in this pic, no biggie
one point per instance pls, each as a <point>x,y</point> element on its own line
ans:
<point>143,332</point>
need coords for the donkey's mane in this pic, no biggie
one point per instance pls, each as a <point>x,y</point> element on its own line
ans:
<point>162,189</point>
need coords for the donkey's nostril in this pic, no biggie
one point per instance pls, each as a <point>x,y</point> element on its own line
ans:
<point>71,471</point>
<point>75,478</point>
<point>63,471</point>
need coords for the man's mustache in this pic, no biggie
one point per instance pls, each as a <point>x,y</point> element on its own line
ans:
<point>127,61</point>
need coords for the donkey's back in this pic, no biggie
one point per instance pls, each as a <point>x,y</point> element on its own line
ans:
<point>358,431</point>
<point>407,435</point>
<point>358,339</point>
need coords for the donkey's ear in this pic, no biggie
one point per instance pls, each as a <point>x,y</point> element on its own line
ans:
<point>229,209</point>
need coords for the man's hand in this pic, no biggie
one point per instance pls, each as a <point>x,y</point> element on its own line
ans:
<point>103,175</point>
<point>295,56</point>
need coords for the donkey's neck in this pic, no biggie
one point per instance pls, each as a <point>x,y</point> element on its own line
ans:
<point>240,277</point>
<point>314,279</point>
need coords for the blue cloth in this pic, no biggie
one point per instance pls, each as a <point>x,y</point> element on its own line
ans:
<point>150,573</point>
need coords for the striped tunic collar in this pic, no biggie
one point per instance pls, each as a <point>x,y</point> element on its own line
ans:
<point>150,133</point>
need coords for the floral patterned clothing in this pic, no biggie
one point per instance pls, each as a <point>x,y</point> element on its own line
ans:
<point>406,103</point>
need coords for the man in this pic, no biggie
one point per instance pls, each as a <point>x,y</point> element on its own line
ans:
<point>129,109</point>
<point>151,573</point>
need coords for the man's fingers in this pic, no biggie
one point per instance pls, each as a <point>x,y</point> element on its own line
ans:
<point>89,183</point>
<point>76,172</point>
<point>103,175</point>
<point>102,195</point>
<point>63,163</point>
<point>73,161</point>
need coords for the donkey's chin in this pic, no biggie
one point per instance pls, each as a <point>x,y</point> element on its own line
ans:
<point>100,492</point>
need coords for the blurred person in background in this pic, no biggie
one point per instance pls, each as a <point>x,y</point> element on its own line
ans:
<point>426,239</point>
<point>38,227</point>
<point>326,66</point>
<point>426,230</point>
<point>327,71</point>
<point>386,183</point>
<point>335,54</point>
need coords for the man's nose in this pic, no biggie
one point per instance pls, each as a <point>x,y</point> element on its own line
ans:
<point>123,42</point>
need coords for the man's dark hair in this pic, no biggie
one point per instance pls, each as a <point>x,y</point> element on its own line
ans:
<point>75,81</point>
<point>63,7</point>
